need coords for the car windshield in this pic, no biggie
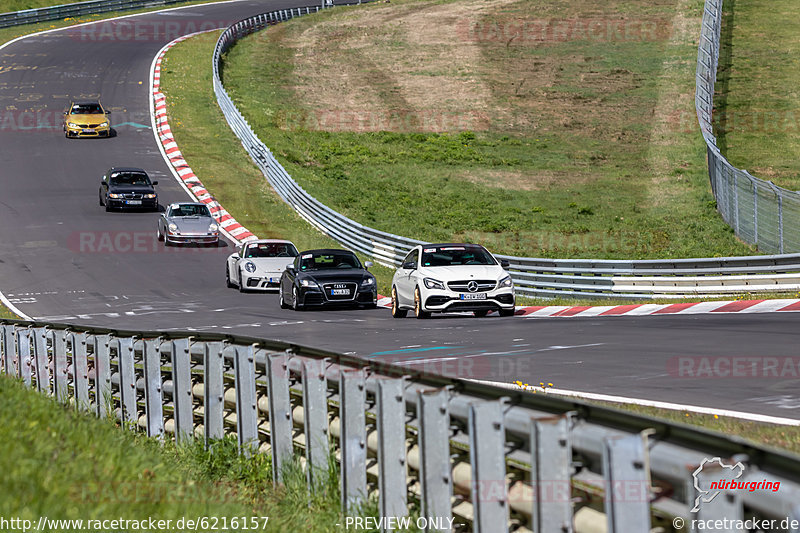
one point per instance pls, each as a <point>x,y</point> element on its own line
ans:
<point>456,256</point>
<point>86,109</point>
<point>270,249</point>
<point>189,211</point>
<point>129,178</point>
<point>329,261</point>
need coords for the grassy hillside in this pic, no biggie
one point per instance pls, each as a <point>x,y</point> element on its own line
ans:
<point>553,128</point>
<point>756,117</point>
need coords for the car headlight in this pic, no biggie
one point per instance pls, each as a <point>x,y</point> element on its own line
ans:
<point>72,125</point>
<point>505,282</point>
<point>103,125</point>
<point>368,282</point>
<point>150,196</point>
<point>114,195</point>
<point>250,266</point>
<point>433,283</point>
<point>173,227</point>
<point>213,227</point>
<point>308,283</point>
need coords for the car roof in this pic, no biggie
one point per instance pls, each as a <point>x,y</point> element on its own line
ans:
<point>267,241</point>
<point>125,169</point>
<point>325,251</point>
<point>85,102</point>
<point>442,244</point>
<point>173,204</point>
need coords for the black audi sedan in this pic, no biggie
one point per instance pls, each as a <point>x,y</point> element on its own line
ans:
<point>327,278</point>
<point>128,187</point>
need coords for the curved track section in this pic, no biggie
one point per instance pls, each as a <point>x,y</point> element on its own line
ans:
<point>63,258</point>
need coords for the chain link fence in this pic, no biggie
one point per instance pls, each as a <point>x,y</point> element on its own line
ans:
<point>759,211</point>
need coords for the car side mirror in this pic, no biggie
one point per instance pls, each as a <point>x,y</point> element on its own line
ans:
<point>367,265</point>
<point>504,263</point>
<point>155,183</point>
<point>290,267</point>
<point>65,113</point>
<point>410,265</point>
<point>108,112</point>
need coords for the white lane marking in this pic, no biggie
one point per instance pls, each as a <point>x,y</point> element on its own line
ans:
<point>14,309</point>
<point>651,403</point>
<point>483,354</point>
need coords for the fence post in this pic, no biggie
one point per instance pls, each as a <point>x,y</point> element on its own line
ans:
<point>7,332</point>
<point>80,370</point>
<point>487,441</point>
<point>353,438</point>
<point>246,408</point>
<point>435,474</point>
<point>127,382</point>
<point>60,378</point>
<point>102,380</point>
<point>182,390</point>
<point>280,413</point>
<point>41,363</point>
<point>551,460</point>
<point>213,392</point>
<point>24,355</point>
<point>153,393</point>
<point>393,470</point>
<point>315,420</point>
<point>626,471</point>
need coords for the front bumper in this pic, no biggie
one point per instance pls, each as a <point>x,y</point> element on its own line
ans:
<point>184,238</point>
<point>261,281</point>
<point>104,131</point>
<point>121,203</point>
<point>446,301</point>
<point>315,297</point>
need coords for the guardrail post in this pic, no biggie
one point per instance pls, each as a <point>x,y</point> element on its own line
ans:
<point>127,381</point>
<point>182,390</point>
<point>280,413</point>
<point>551,458</point>
<point>315,420</point>
<point>627,478</point>
<point>213,392</point>
<point>435,474</point>
<point>153,393</point>
<point>392,447</point>
<point>246,408</point>
<point>353,439</point>
<point>60,377</point>
<point>487,440</point>
<point>80,370</point>
<point>41,362</point>
<point>7,345</point>
<point>24,355</point>
<point>102,379</point>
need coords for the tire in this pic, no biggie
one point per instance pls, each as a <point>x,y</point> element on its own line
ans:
<point>396,311</point>
<point>100,198</point>
<point>418,306</point>
<point>480,314</point>
<point>295,300</point>
<point>159,236</point>
<point>507,312</point>
<point>241,283</point>
<point>228,277</point>
<point>108,207</point>
<point>284,305</point>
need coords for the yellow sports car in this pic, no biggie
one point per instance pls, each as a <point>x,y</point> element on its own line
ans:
<point>86,119</point>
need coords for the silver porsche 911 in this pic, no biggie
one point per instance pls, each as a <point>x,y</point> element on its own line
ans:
<point>187,222</point>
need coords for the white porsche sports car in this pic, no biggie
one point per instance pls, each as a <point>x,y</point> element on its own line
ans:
<point>442,278</point>
<point>258,265</point>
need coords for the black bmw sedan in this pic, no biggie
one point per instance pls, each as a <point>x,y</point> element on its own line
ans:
<point>327,278</point>
<point>127,187</point>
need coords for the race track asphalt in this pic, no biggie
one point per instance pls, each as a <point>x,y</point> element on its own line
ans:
<point>63,258</point>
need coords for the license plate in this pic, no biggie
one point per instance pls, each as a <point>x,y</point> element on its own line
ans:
<point>133,202</point>
<point>474,296</point>
<point>88,131</point>
<point>340,292</point>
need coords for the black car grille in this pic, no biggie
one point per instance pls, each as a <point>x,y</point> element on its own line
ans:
<point>313,298</point>
<point>351,288</point>
<point>365,298</point>
<point>88,125</point>
<point>484,285</point>
<point>132,195</point>
<point>506,298</point>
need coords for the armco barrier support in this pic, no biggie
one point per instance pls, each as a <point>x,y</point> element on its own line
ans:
<point>44,14</point>
<point>535,277</point>
<point>491,458</point>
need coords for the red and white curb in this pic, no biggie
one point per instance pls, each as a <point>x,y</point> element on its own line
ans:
<point>172,154</point>
<point>692,308</point>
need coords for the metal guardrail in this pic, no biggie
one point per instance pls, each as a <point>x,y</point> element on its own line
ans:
<point>44,14</point>
<point>496,460</point>
<point>532,276</point>
<point>759,211</point>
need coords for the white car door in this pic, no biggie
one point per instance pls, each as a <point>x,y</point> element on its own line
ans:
<point>405,282</point>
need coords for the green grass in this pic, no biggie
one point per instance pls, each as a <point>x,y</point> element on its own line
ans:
<point>590,165</point>
<point>63,464</point>
<point>5,312</point>
<point>756,118</point>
